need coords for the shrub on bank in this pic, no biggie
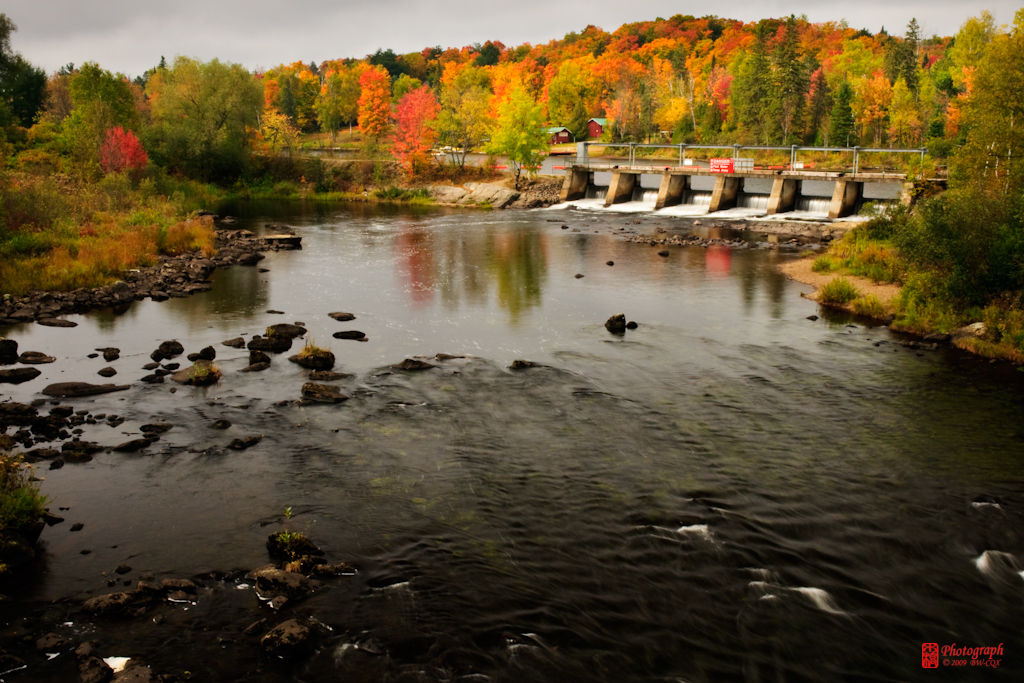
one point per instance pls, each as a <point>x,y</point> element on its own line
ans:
<point>21,511</point>
<point>839,291</point>
<point>868,305</point>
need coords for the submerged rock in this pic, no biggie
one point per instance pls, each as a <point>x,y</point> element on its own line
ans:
<point>522,364</point>
<point>328,375</point>
<point>341,316</point>
<point>236,343</point>
<point>76,389</point>
<point>616,324</point>
<point>244,442</point>
<point>255,367</point>
<point>413,364</point>
<point>322,393</point>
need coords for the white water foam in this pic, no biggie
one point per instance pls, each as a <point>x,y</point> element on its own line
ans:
<point>701,530</point>
<point>821,599</point>
<point>990,561</point>
<point>116,663</point>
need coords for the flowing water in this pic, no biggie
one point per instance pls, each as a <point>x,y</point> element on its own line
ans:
<point>729,492</point>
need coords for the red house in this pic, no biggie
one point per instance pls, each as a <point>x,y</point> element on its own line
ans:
<point>595,128</point>
<point>559,135</point>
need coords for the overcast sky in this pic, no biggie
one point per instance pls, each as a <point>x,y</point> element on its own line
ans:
<point>130,36</point>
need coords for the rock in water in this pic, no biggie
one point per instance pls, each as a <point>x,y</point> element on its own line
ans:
<point>350,334</point>
<point>322,393</point>
<point>616,324</point>
<point>75,389</point>
<point>286,330</point>
<point>8,351</point>
<point>342,316</point>
<point>56,322</point>
<point>314,359</point>
<point>236,343</point>
<point>413,364</point>
<point>171,348</point>
<point>18,375</point>
<point>276,344</point>
<point>35,358</point>
<point>202,374</point>
<point>244,442</point>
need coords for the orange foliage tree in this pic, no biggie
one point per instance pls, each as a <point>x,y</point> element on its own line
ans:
<point>374,101</point>
<point>415,129</point>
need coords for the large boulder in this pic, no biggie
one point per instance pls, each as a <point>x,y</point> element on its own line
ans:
<point>35,358</point>
<point>271,581</point>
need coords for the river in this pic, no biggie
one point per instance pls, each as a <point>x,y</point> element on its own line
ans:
<point>731,491</point>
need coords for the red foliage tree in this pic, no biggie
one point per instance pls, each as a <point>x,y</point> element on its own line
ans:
<point>122,151</point>
<point>415,129</point>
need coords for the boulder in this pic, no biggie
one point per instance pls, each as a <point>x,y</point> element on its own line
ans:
<point>350,334</point>
<point>16,414</point>
<point>170,349</point>
<point>236,343</point>
<point>8,351</point>
<point>275,344</point>
<point>522,364</point>
<point>286,330</point>
<point>106,372</point>
<point>156,428</point>
<point>288,640</point>
<point>35,358</point>
<point>342,316</point>
<point>314,358</point>
<point>120,604</point>
<point>270,580</point>
<point>616,324</point>
<point>287,545</point>
<point>202,374</point>
<point>322,393</point>
<point>255,367</point>
<point>257,356</point>
<point>77,389</point>
<point>56,322</point>
<point>18,375</point>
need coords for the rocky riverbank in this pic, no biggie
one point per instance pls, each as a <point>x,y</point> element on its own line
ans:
<point>532,194</point>
<point>172,276</point>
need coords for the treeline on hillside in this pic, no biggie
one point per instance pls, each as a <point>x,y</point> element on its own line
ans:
<point>778,81</point>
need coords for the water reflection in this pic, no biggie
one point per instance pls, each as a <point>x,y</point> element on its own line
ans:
<point>519,265</point>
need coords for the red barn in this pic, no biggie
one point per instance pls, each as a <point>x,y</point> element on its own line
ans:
<point>559,135</point>
<point>595,128</point>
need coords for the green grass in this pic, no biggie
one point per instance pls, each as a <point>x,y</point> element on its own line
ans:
<point>839,291</point>
<point>21,504</point>
<point>868,305</point>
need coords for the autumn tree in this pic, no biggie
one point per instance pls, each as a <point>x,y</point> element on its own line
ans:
<point>904,117</point>
<point>121,151</point>
<point>520,135</point>
<point>415,129</point>
<point>374,102</point>
<point>203,113</point>
<point>464,120</point>
<point>871,105</point>
<point>100,101</point>
<point>338,101</point>
<point>277,131</point>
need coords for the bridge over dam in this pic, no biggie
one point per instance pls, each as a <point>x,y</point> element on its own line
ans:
<point>726,183</point>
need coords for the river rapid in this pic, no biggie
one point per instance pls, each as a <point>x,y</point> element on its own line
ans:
<point>731,491</point>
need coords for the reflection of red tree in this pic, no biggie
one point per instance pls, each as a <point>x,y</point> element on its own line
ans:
<point>417,255</point>
<point>718,259</point>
